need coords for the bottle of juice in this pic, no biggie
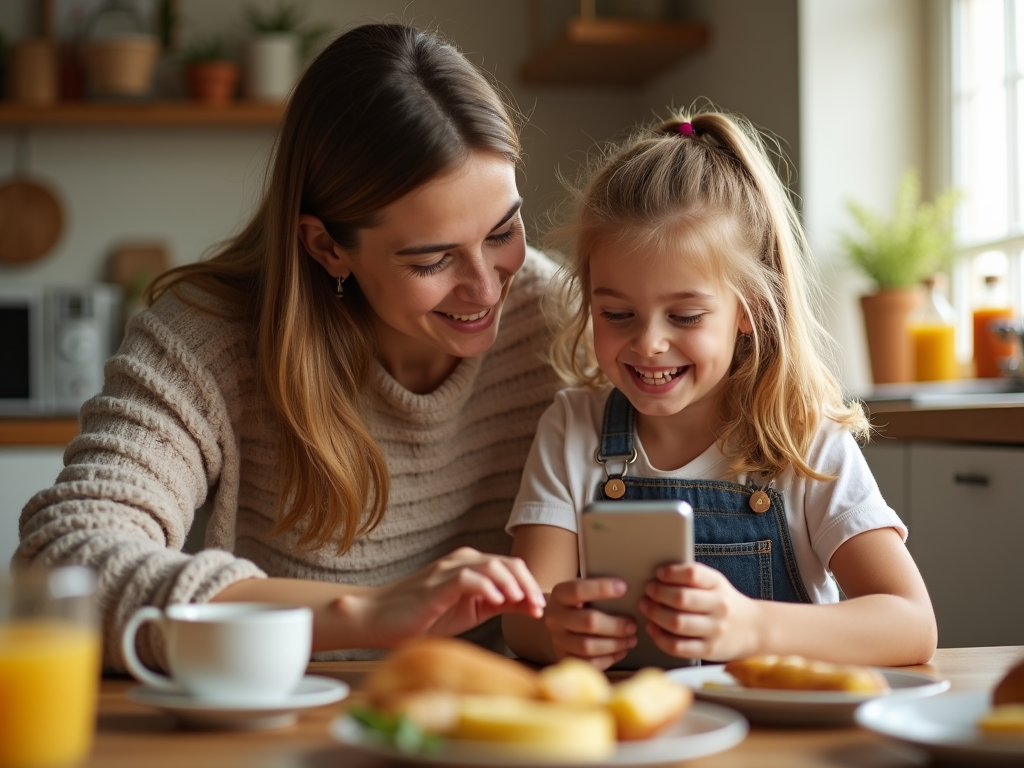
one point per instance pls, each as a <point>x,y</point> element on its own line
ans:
<point>933,334</point>
<point>989,349</point>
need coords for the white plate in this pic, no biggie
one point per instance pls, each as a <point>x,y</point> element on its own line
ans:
<point>703,730</point>
<point>312,691</point>
<point>766,705</point>
<point>945,727</point>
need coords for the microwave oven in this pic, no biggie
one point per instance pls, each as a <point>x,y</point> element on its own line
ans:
<point>53,344</point>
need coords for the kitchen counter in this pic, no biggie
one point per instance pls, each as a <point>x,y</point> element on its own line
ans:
<point>992,424</point>
<point>26,432</point>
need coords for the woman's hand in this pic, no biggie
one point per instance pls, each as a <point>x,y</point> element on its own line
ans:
<point>446,598</point>
<point>695,612</point>
<point>586,633</point>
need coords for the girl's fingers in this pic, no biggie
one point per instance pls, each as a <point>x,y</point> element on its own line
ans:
<point>581,591</point>
<point>688,599</point>
<point>681,647</point>
<point>592,648</point>
<point>589,621</point>
<point>680,624</point>
<point>689,575</point>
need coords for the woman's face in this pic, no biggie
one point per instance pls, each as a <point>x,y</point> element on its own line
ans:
<point>439,266</point>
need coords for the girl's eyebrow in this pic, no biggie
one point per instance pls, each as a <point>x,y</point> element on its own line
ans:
<point>418,250</point>
<point>666,297</point>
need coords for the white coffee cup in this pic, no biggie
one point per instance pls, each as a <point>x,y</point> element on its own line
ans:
<point>253,653</point>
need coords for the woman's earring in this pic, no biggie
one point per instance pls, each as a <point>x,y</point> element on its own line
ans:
<point>339,290</point>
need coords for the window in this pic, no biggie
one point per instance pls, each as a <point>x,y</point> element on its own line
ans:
<point>988,152</point>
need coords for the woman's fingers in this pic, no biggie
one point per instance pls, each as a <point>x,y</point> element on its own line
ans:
<point>498,579</point>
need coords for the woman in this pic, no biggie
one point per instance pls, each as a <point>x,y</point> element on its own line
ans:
<point>332,382</point>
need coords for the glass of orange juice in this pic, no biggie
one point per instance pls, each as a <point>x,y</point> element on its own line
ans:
<point>49,666</point>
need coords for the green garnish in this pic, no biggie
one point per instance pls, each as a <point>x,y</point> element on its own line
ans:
<point>397,731</point>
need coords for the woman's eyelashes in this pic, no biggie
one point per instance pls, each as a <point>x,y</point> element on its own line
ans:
<point>507,236</point>
<point>429,269</point>
<point>500,238</point>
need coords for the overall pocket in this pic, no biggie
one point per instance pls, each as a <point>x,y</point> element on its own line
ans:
<point>748,565</point>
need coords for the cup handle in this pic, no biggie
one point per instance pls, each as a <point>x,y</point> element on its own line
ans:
<point>139,670</point>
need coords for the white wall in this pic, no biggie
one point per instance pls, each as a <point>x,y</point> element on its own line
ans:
<point>863,101</point>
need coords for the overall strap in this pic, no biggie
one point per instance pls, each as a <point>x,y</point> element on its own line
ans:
<point>617,429</point>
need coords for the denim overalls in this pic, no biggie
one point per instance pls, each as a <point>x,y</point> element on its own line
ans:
<point>753,549</point>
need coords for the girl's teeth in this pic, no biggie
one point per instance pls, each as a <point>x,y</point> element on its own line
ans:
<point>468,318</point>
<point>661,377</point>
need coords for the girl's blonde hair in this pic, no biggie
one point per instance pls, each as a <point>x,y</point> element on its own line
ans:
<point>704,185</point>
<point>382,110</point>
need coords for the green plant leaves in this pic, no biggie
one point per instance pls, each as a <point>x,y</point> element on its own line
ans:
<point>915,243</point>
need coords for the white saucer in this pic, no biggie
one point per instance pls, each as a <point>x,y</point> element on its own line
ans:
<point>312,691</point>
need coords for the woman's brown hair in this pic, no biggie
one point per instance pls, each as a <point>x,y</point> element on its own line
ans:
<point>382,110</point>
<point>705,185</point>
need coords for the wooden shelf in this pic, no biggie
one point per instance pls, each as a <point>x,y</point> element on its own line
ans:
<point>150,113</point>
<point>616,52</point>
<point>22,432</point>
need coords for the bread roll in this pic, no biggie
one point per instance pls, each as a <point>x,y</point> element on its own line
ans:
<point>798,673</point>
<point>1010,690</point>
<point>448,664</point>
<point>538,729</point>
<point>574,681</point>
<point>646,703</point>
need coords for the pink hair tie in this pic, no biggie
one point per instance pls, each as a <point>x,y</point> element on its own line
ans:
<point>686,129</point>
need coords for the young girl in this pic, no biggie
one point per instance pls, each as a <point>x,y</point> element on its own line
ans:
<point>693,334</point>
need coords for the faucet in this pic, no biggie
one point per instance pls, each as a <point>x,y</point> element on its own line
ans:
<point>1013,367</point>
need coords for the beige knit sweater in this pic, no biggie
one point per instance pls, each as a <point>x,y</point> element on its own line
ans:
<point>177,426</point>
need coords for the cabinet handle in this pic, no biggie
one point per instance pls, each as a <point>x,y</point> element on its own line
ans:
<point>970,478</point>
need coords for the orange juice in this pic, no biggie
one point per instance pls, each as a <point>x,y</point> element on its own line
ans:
<point>934,352</point>
<point>49,674</point>
<point>989,348</point>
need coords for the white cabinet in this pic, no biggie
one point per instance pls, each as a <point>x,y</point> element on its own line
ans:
<point>964,506</point>
<point>23,472</point>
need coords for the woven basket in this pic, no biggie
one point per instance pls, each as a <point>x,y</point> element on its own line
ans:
<point>120,66</point>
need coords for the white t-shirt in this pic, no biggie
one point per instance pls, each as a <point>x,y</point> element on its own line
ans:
<point>561,477</point>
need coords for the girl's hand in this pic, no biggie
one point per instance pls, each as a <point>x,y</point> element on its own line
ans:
<point>697,613</point>
<point>587,633</point>
<point>446,598</point>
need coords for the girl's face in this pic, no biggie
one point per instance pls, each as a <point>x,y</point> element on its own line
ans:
<point>664,332</point>
<point>438,268</point>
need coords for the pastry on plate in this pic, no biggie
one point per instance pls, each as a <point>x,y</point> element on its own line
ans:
<point>799,673</point>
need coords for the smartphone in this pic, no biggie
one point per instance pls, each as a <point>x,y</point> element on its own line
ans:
<point>630,540</point>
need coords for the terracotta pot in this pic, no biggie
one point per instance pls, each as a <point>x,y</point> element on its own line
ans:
<point>213,82</point>
<point>886,316</point>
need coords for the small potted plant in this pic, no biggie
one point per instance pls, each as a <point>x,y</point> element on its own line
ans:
<point>281,41</point>
<point>211,75</point>
<point>898,254</point>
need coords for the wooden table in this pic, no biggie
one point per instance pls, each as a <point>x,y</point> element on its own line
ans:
<point>131,735</point>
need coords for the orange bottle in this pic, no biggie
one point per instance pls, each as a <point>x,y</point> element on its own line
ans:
<point>933,335</point>
<point>989,349</point>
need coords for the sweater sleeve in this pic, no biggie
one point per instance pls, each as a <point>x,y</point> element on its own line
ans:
<point>152,446</point>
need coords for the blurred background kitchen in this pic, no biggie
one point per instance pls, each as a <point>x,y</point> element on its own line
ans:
<point>911,109</point>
